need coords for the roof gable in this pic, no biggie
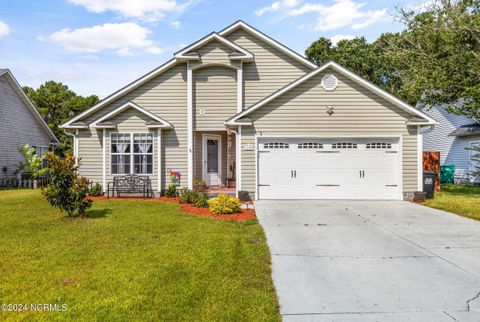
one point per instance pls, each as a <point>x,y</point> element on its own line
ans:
<point>105,121</point>
<point>24,98</point>
<point>371,87</point>
<point>241,24</point>
<point>188,52</point>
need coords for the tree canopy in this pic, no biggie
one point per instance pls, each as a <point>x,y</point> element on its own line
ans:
<point>57,103</point>
<point>434,61</point>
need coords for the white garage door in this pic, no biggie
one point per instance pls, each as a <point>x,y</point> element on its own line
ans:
<point>328,169</point>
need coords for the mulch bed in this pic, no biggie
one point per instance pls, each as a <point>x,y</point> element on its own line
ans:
<point>244,214</point>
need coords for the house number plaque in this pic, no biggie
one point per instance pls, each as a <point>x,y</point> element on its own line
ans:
<point>248,147</point>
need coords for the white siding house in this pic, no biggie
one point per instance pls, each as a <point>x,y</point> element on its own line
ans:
<point>451,138</point>
<point>20,124</point>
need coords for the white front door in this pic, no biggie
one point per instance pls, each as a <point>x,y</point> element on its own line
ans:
<point>343,168</point>
<point>212,156</point>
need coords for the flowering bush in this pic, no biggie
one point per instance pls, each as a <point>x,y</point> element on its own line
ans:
<point>224,204</point>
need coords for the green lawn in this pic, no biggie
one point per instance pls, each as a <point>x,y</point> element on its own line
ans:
<point>461,200</point>
<point>132,260</point>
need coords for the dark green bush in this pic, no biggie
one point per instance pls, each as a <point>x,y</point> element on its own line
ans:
<point>67,190</point>
<point>170,192</point>
<point>188,196</point>
<point>95,190</point>
<point>202,200</point>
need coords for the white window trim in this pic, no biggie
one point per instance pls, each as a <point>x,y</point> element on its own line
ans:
<point>132,154</point>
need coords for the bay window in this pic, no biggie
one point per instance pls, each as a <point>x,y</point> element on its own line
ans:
<point>131,153</point>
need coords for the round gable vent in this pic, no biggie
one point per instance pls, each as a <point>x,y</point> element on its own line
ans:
<point>329,82</point>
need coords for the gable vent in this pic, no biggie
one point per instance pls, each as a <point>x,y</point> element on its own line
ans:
<point>329,82</point>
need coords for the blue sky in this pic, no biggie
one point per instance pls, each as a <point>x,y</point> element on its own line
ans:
<point>97,46</point>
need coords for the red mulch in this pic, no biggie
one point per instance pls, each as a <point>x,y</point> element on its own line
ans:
<point>244,214</point>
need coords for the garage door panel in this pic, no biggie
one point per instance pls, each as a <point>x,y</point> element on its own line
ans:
<point>328,173</point>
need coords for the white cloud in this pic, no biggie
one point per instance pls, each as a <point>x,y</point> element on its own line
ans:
<point>339,14</point>
<point>154,50</point>
<point>175,24</point>
<point>4,29</point>
<point>335,39</point>
<point>277,5</point>
<point>151,10</point>
<point>125,51</point>
<point>121,37</point>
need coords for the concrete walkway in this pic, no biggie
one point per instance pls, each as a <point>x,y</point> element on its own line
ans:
<point>372,261</point>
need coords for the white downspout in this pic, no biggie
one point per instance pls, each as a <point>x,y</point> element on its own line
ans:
<point>74,137</point>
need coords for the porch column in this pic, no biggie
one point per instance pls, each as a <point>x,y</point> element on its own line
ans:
<point>159,160</point>
<point>190,125</point>
<point>104,159</point>
<point>240,87</point>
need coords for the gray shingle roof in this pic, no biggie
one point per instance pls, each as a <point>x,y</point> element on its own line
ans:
<point>467,130</point>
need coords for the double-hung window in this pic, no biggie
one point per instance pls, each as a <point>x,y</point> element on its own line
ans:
<point>131,153</point>
<point>143,153</point>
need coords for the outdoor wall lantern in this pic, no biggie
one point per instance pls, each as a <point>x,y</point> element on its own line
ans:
<point>330,110</point>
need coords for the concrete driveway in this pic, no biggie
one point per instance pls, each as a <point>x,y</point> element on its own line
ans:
<point>372,261</point>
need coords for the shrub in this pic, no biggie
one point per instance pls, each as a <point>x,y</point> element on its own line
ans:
<point>202,200</point>
<point>67,190</point>
<point>95,190</point>
<point>224,204</point>
<point>188,196</point>
<point>171,191</point>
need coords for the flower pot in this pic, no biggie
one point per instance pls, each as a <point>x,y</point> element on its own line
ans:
<point>419,196</point>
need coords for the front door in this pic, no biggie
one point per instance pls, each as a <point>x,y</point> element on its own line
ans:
<point>212,160</point>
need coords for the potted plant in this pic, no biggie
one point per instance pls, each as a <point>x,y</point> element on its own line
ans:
<point>199,185</point>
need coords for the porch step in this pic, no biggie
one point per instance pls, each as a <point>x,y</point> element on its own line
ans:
<point>216,193</point>
<point>213,192</point>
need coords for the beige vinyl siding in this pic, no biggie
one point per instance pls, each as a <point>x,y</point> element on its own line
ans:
<point>271,69</point>
<point>358,112</point>
<point>198,154</point>
<point>165,96</point>
<point>18,127</point>
<point>90,150</point>
<point>215,91</point>
<point>214,52</point>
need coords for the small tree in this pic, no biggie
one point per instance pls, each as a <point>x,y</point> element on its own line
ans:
<point>32,163</point>
<point>67,190</point>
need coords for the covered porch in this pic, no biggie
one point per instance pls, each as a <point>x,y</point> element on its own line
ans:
<point>214,160</point>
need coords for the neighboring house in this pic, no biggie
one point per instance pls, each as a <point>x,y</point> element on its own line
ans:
<point>20,124</point>
<point>451,137</point>
<point>237,107</point>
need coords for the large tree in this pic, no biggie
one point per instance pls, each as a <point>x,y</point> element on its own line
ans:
<point>57,103</point>
<point>437,56</point>
<point>434,61</point>
<point>365,59</point>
